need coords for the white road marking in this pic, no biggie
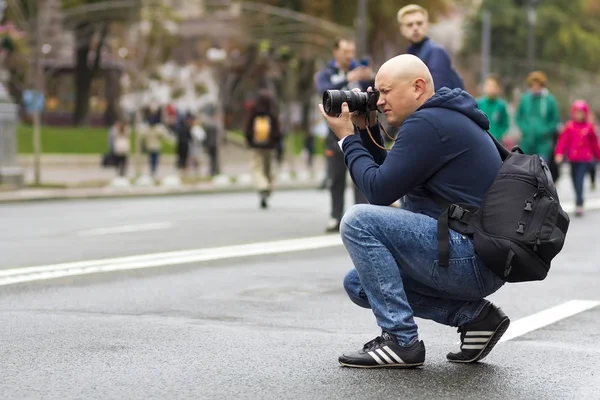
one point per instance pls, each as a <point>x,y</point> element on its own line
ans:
<point>154,226</point>
<point>45,272</point>
<point>547,317</point>
<point>590,204</point>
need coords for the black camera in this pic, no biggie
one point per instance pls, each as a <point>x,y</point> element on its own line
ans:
<point>363,102</point>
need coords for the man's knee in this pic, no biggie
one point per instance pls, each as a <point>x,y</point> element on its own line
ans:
<point>354,218</point>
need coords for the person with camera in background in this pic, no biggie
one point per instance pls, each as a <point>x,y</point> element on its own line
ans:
<point>413,21</point>
<point>342,73</point>
<point>442,151</point>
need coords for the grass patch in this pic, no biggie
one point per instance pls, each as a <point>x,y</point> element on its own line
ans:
<point>68,140</point>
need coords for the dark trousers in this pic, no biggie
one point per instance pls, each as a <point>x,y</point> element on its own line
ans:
<point>593,172</point>
<point>121,164</point>
<point>578,172</point>
<point>153,158</point>
<point>337,171</point>
<point>213,160</point>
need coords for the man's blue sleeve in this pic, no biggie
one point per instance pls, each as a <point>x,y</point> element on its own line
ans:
<point>414,157</point>
<point>440,67</point>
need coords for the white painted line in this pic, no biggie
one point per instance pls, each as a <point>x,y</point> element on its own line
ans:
<point>547,317</point>
<point>154,226</point>
<point>45,272</point>
<point>590,204</point>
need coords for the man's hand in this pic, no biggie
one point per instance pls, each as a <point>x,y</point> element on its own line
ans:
<point>558,158</point>
<point>342,125</point>
<point>360,120</point>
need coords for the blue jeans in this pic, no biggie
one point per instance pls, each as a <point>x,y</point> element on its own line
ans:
<point>396,273</point>
<point>578,172</point>
<point>153,157</point>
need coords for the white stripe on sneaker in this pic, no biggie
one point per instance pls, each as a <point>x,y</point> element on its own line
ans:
<point>393,355</point>
<point>472,346</point>
<point>385,357</point>
<point>476,340</point>
<point>480,333</point>
<point>379,361</point>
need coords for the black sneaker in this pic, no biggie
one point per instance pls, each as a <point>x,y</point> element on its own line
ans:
<point>479,337</point>
<point>384,352</point>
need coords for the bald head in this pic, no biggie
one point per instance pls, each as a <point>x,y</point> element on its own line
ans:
<point>404,83</point>
<point>407,67</point>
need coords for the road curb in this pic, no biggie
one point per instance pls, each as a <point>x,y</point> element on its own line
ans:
<point>74,194</point>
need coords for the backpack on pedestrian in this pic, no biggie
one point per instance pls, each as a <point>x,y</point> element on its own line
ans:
<point>261,130</point>
<point>520,225</point>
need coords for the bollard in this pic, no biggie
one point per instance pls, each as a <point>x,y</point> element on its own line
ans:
<point>11,175</point>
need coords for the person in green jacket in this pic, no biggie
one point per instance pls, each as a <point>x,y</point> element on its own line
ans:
<point>494,107</point>
<point>538,117</point>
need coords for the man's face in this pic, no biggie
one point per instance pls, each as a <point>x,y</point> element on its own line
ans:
<point>397,99</point>
<point>491,88</point>
<point>536,87</point>
<point>344,54</point>
<point>414,27</point>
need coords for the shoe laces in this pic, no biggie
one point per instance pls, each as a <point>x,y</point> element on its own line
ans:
<point>377,342</point>
<point>373,343</point>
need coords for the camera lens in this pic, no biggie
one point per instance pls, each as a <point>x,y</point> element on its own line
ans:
<point>333,99</point>
<point>332,102</point>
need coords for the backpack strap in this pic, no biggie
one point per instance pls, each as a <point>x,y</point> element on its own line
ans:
<point>462,217</point>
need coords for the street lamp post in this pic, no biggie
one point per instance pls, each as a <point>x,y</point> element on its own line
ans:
<point>531,19</point>
<point>361,27</point>
<point>486,43</point>
<point>11,174</point>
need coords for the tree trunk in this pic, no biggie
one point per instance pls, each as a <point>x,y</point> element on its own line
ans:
<point>83,80</point>
<point>84,73</point>
<point>112,94</point>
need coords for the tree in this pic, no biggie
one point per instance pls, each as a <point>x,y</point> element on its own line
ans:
<point>382,26</point>
<point>566,31</point>
<point>91,21</point>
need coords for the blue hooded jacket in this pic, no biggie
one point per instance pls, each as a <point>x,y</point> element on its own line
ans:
<point>439,64</point>
<point>442,148</point>
<point>326,81</point>
<point>329,78</point>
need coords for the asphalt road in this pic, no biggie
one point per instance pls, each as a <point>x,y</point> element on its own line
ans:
<point>261,327</point>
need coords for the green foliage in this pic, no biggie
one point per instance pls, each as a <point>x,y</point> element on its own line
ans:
<point>566,31</point>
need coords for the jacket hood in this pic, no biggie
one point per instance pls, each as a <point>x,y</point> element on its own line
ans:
<point>461,101</point>
<point>580,105</point>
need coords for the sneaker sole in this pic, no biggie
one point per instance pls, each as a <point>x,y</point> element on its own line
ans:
<point>500,330</point>
<point>396,366</point>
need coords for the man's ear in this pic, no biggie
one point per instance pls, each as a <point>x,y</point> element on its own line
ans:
<point>420,87</point>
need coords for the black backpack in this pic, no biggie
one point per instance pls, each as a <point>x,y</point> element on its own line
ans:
<point>519,227</point>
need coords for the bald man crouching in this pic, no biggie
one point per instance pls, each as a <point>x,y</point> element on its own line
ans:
<point>442,151</point>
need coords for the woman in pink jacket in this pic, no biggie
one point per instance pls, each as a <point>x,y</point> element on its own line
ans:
<point>579,144</point>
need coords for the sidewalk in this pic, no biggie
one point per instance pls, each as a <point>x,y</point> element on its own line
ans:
<point>80,176</point>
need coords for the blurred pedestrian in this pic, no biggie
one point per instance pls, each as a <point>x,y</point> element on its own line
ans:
<point>342,73</point>
<point>537,117</point>
<point>579,144</point>
<point>495,107</point>
<point>152,136</point>
<point>211,126</point>
<point>183,133</point>
<point>121,145</point>
<point>414,26</point>
<point>263,136</point>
